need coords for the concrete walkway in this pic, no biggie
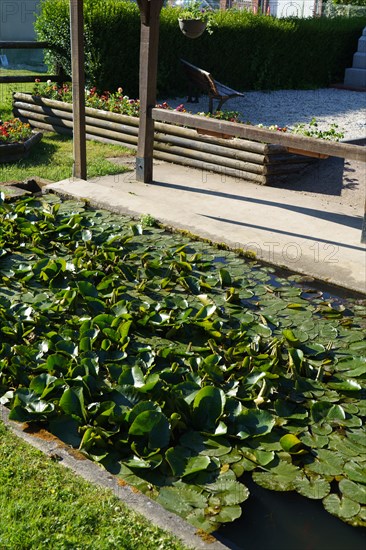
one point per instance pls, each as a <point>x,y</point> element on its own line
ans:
<point>317,234</point>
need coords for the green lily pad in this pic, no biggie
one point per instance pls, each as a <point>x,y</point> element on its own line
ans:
<point>279,478</point>
<point>343,508</point>
<point>327,463</point>
<point>352,490</point>
<point>181,500</point>
<point>314,487</point>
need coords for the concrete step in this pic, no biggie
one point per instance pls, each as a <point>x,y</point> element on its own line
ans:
<point>355,78</point>
<point>359,61</point>
<point>362,44</point>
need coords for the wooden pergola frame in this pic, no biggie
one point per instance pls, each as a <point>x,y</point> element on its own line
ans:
<point>149,42</point>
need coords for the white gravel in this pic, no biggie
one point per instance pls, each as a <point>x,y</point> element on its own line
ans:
<point>328,106</point>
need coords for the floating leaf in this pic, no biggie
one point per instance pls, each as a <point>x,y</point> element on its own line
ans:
<point>290,443</point>
<point>254,422</point>
<point>314,487</point>
<point>196,464</point>
<point>355,471</point>
<point>181,500</point>
<point>343,508</point>
<point>278,478</point>
<point>210,446</point>
<point>326,462</point>
<point>352,490</point>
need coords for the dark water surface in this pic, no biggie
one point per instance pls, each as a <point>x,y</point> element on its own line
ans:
<point>287,521</point>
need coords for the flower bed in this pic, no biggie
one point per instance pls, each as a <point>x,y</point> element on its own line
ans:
<point>253,161</point>
<point>16,140</point>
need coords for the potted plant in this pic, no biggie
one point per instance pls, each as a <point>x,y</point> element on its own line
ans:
<point>16,140</point>
<point>194,18</point>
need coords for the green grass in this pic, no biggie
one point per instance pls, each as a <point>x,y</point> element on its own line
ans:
<point>44,505</point>
<point>52,159</point>
<point>6,91</point>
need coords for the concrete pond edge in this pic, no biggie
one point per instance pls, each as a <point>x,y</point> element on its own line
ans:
<point>71,458</point>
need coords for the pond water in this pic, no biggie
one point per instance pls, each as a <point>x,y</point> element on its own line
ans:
<point>288,521</point>
<point>208,335</point>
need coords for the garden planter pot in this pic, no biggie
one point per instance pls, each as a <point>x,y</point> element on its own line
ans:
<point>253,161</point>
<point>11,152</point>
<point>192,28</point>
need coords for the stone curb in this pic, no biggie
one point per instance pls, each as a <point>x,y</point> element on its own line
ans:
<point>53,447</point>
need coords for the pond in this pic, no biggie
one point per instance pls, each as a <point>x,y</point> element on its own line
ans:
<point>285,521</point>
<point>204,379</point>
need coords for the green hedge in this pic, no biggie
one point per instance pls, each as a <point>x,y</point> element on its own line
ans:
<point>245,51</point>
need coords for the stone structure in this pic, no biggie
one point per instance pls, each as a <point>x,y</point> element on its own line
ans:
<point>355,76</point>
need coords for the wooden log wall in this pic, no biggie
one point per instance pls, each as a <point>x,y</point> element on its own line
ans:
<point>253,161</point>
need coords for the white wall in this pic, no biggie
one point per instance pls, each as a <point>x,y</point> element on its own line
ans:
<point>292,8</point>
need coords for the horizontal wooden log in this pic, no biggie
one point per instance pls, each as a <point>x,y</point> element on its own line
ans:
<point>336,149</point>
<point>210,147</point>
<point>27,78</point>
<point>207,167</point>
<point>23,107</point>
<point>209,158</point>
<point>240,144</point>
<point>54,122</point>
<point>23,44</point>
<point>63,106</point>
<point>282,169</point>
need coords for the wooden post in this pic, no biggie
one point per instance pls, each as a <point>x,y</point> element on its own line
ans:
<point>78,87</point>
<point>363,234</point>
<point>149,41</point>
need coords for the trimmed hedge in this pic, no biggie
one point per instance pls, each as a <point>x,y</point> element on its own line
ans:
<point>246,51</point>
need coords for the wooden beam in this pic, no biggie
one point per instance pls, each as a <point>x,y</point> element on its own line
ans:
<point>23,44</point>
<point>78,87</point>
<point>149,41</point>
<point>28,78</point>
<point>294,141</point>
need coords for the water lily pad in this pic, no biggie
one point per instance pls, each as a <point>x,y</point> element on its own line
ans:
<point>279,478</point>
<point>352,490</point>
<point>343,508</point>
<point>181,500</point>
<point>355,471</point>
<point>326,462</point>
<point>314,487</point>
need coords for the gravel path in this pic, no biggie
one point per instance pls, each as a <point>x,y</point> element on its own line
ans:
<point>328,106</point>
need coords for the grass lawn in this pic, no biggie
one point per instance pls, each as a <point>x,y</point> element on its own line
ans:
<point>52,159</point>
<point>44,505</point>
<point>6,91</point>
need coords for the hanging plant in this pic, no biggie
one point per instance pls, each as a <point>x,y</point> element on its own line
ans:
<point>194,19</point>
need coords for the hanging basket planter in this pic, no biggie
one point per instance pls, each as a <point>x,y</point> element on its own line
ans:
<point>192,28</point>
